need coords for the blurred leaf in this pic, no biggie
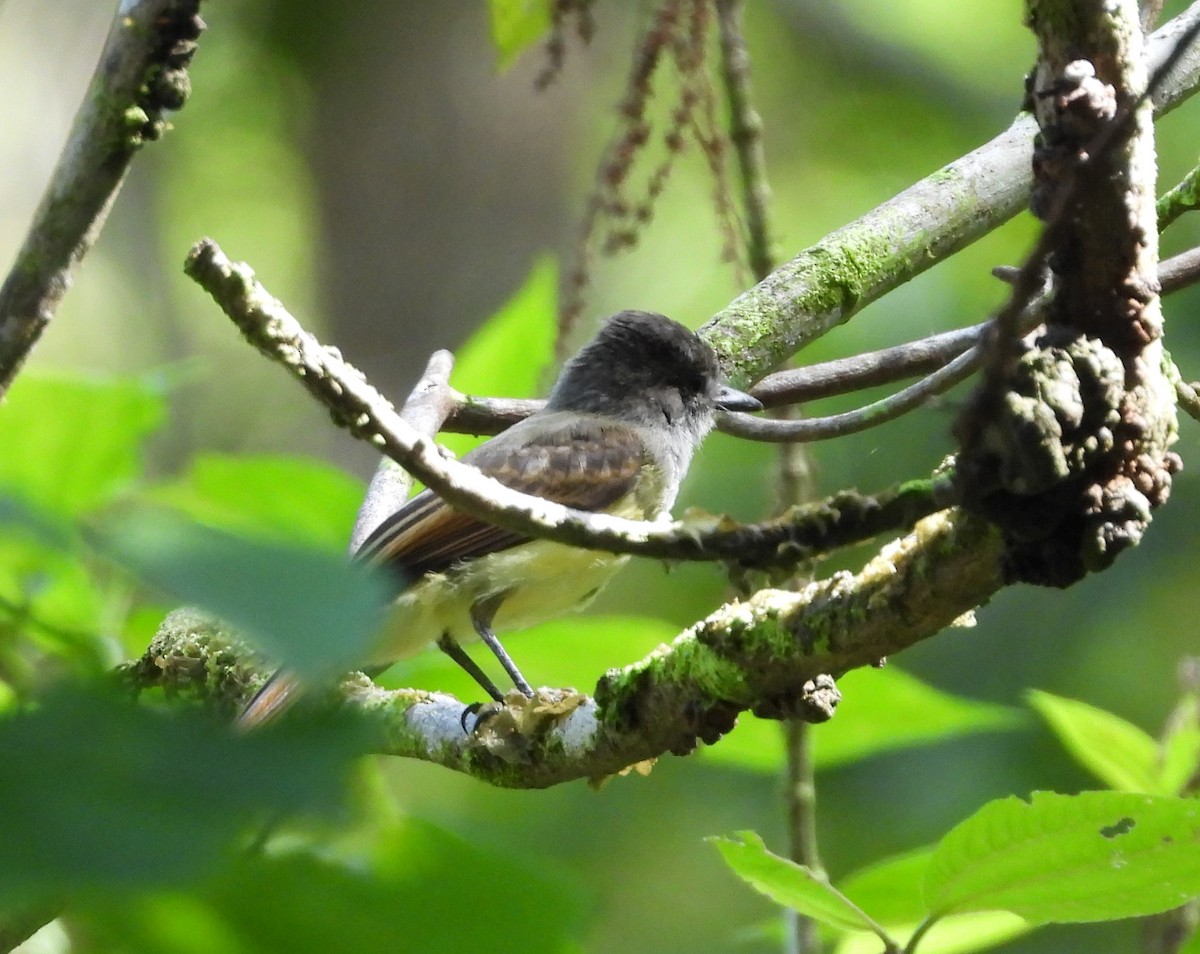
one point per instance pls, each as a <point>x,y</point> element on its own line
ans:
<point>1117,752</point>
<point>516,24</point>
<point>787,883</point>
<point>881,710</point>
<point>289,498</point>
<point>54,602</point>
<point>48,597</point>
<point>309,608</point>
<point>32,522</point>
<point>956,934</point>
<point>95,792</point>
<point>508,354</point>
<point>1096,856</point>
<point>70,444</point>
<point>421,889</point>
<point>571,651</point>
<point>1180,762</point>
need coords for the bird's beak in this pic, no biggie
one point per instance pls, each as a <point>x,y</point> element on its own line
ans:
<point>731,399</point>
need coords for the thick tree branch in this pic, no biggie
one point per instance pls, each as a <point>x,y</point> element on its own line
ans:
<point>766,654</point>
<point>141,75</point>
<point>850,268</point>
<point>1066,444</point>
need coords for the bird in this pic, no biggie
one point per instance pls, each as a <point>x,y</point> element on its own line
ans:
<point>616,435</point>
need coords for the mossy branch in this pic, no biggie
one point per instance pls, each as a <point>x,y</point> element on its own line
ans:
<point>767,654</point>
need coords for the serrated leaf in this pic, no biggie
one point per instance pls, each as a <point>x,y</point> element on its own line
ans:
<point>1117,752</point>
<point>516,24</point>
<point>882,710</point>
<point>70,444</point>
<point>95,792</point>
<point>787,883</point>
<point>1097,856</point>
<point>891,890</point>
<point>311,609</point>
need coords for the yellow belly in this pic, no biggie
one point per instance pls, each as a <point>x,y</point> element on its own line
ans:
<point>550,579</point>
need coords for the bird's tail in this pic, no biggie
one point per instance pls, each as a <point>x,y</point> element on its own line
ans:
<point>276,695</point>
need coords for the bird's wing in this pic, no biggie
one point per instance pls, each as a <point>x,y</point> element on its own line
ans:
<point>584,468</point>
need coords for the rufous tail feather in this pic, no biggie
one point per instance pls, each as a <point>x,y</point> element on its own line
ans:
<point>276,695</point>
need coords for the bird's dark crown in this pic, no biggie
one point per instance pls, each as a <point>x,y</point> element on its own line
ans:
<point>635,356</point>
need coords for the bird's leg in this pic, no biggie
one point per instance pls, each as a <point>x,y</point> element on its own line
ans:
<point>481,617</point>
<point>447,645</point>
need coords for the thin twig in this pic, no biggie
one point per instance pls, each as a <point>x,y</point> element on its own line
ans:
<point>482,415</point>
<point>360,408</point>
<point>140,75</point>
<point>1183,197</point>
<point>1189,398</point>
<point>850,422</point>
<point>472,414</point>
<point>746,132</point>
<point>1179,272</point>
<point>866,370</point>
<point>795,474</point>
<point>429,404</point>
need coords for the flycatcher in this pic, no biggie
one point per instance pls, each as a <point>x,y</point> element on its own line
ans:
<point>615,436</point>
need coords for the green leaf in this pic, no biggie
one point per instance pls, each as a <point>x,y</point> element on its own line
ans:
<point>71,444</point>
<point>516,24</point>
<point>891,890</point>
<point>1097,856</point>
<point>33,523</point>
<point>95,792</point>
<point>311,609</point>
<point>787,883</point>
<point>1117,752</point>
<point>287,498</point>
<point>420,889</point>
<point>882,710</point>
<point>1181,747</point>
<point>510,353</point>
<point>48,595</point>
<point>956,934</point>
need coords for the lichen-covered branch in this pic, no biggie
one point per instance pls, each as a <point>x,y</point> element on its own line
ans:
<point>142,73</point>
<point>767,654</point>
<point>1066,444</point>
<point>828,283</point>
<point>356,405</point>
